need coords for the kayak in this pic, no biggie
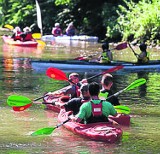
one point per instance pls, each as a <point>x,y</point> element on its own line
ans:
<point>121,119</point>
<point>10,41</point>
<point>71,65</point>
<point>65,38</point>
<point>103,131</point>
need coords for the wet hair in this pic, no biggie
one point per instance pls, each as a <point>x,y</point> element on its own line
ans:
<point>84,87</point>
<point>143,47</point>
<point>105,46</point>
<point>106,79</point>
<point>94,89</point>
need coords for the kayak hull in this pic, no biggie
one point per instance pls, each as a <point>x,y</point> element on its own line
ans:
<point>78,66</point>
<point>103,131</point>
<point>121,119</point>
<point>10,41</point>
<point>70,38</point>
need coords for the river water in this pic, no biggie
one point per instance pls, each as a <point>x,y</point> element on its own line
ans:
<point>19,77</point>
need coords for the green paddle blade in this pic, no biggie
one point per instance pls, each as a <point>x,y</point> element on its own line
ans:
<point>44,131</point>
<point>16,100</point>
<point>122,109</point>
<point>136,83</point>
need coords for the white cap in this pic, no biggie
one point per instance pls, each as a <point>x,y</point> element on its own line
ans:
<point>57,24</point>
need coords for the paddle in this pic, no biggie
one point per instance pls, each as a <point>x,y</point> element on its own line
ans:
<point>57,74</point>
<point>36,35</point>
<point>133,50</point>
<point>122,109</point>
<point>10,27</point>
<point>136,83</point>
<point>21,101</point>
<point>48,130</point>
<point>133,85</point>
<point>120,46</point>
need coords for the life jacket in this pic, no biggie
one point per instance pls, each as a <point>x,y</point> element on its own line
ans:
<point>17,36</point>
<point>70,32</point>
<point>144,59</point>
<point>56,31</point>
<point>28,37</point>
<point>97,115</point>
<point>104,58</point>
<point>103,95</point>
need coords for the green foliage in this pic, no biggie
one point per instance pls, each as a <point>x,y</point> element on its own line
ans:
<point>117,19</point>
<point>62,2</point>
<point>142,20</point>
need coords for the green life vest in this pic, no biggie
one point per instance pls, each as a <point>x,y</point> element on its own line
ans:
<point>103,96</point>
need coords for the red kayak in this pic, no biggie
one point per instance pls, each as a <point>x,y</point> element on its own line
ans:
<point>10,41</point>
<point>103,131</point>
<point>121,119</point>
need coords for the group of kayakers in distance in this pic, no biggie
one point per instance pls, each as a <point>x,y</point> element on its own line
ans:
<point>70,30</point>
<point>88,102</point>
<point>107,56</point>
<point>25,35</point>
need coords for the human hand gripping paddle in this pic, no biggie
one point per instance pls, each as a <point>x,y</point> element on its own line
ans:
<point>49,130</point>
<point>21,103</point>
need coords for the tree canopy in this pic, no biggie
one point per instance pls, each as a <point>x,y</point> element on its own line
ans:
<point>115,19</point>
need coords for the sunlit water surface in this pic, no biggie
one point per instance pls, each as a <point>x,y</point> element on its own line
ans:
<point>18,77</point>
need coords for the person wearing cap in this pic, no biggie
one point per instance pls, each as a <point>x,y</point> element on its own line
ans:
<point>105,92</point>
<point>70,30</point>
<point>106,56</point>
<point>27,34</point>
<point>17,34</point>
<point>75,103</point>
<point>57,31</point>
<point>73,90</point>
<point>143,57</point>
<point>95,110</point>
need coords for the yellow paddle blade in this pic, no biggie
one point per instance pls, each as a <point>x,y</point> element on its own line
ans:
<point>41,43</point>
<point>36,35</point>
<point>9,26</point>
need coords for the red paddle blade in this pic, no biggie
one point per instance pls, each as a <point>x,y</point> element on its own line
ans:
<point>113,69</point>
<point>55,73</point>
<point>21,108</point>
<point>121,46</point>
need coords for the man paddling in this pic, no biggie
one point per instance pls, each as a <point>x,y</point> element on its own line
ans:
<point>95,110</point>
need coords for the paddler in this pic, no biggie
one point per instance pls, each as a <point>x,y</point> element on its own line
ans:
<point>95,110</point>
<point>106,56</point>
<point>143,57</point>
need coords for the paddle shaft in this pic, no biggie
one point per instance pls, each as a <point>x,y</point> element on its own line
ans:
<point>133,50</point>
<point>62,123</point>
<point>108,71</point>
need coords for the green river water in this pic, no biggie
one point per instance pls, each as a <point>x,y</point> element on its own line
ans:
<point>18,77</point>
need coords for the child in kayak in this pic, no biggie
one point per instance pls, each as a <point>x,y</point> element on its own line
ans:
<point>75,103</point>
<point>143,57</point>
<point>106,56</point>
<point>107,82</point>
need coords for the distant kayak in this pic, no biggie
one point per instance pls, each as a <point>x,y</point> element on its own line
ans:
<point>10,41</point>
<point>67,38</point>
<point>102,131</point>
